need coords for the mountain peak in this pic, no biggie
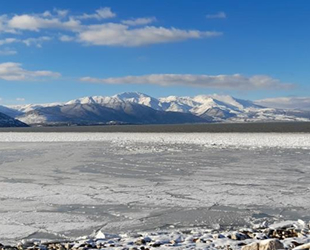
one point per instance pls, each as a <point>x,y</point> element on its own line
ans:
<point>140,98</point>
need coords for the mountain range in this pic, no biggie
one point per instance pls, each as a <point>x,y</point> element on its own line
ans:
<point>139,108</point>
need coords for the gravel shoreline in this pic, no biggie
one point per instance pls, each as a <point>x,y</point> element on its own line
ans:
<point>284,235</point>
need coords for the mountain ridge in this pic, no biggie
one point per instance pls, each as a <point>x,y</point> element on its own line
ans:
<point>139,108</point>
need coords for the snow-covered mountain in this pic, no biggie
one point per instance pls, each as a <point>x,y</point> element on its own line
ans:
<point>29,107</point>
<point>86,111</point>
<point>12,112</point>
<point>140,98</point>
<point>139,108</point>
<point>220,108</point>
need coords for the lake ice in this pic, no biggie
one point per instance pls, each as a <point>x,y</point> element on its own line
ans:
<point>58,185</point>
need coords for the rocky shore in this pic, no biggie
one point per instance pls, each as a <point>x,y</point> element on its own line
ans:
<point>284,235</point>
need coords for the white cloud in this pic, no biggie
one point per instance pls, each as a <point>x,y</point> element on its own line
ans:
<point>102,13</point>
<point>95,32</point>
<point>8,41</point>
<point>29,41</point>
<point>139,21</point>
<point>36,41</point>
<point>66,38</point>
<point>3,25</point>
<point>20,99</point>
<point>61,13</point>
<point>237,81</point>
<point>112,34</point>
<point>302,103</point>
<point>219,15</point>
<point>28,22</point>
<point>7,52</point>
<point>35,23</point>
<point>46,14</point>
<point>11,71</point>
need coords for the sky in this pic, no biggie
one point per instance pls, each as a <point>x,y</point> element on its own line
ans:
<point>56,50</point>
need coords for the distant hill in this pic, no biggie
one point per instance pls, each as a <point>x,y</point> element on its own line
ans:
<point>7,121</point>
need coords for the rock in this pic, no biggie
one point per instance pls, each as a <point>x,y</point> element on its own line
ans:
<point>238,236</point>
<point>189,239</point>
<point>241,244</point>
<point>68,246</point>
<point>270,244</point>
<point>25,244</point>
<point>9,248</point>
<point>177,238</point>
<point>60,247</point>
<point>156,244</point>
<point>147,239</point>
<point>140,242</point>
<point>259,236</point>
<point>304,246</point>
<point>200,240</point>
<point>173,243</point>
<point>283,233</point>
<point>264,224</point>
<point>133,248</point>
<point>135,235</point>
<point>252,246</point>
<point>302,223</point>
<point>218,236</point>
<point>295,243</point>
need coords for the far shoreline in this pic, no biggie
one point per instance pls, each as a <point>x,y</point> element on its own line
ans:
<point>259,127</point>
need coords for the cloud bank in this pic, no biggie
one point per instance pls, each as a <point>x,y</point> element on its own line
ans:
<point>11,71</point>
<point>112,34</point>
<point>139,21</point>
<point>234,82</point>
<point>94,29</point>
<point>301,103</point>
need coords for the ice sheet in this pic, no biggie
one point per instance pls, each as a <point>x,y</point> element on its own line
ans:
<point>62,185</point>
<point>256,140</point>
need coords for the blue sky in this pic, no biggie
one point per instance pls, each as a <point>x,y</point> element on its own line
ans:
<point>60,50</point>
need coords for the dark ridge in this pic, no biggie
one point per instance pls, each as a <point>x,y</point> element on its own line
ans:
<point>7,121</point>
<point>272,127</point>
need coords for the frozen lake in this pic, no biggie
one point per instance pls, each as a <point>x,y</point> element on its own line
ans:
<point>57,185</point>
